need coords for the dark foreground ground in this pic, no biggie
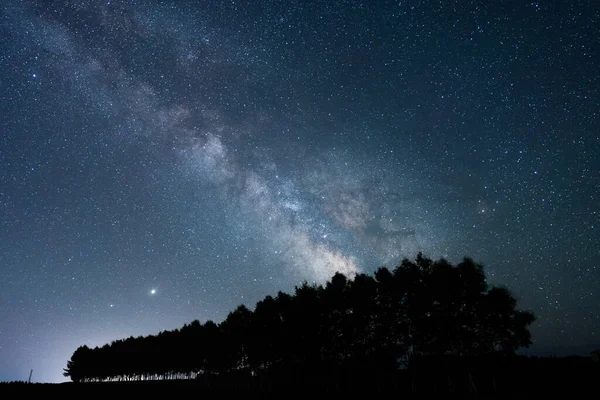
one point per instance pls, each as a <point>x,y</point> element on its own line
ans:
<point>527,378</point>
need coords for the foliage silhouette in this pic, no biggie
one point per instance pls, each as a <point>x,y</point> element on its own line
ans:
<point>422,310</point>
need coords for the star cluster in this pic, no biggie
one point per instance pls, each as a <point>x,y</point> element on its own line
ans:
<point>166,161</point>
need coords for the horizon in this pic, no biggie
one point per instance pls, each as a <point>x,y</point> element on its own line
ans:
<point>584,350</point>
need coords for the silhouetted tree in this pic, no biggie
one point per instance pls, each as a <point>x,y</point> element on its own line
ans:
<point>236,337</point>
<point>422,313</point>
<point>78,367</point>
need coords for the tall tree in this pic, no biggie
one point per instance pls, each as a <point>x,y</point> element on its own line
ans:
<point>423,308</point>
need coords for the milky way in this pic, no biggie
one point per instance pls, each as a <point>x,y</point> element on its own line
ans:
<point>166,161</point>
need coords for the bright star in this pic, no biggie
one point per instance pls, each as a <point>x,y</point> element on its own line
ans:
<point>153,291</point>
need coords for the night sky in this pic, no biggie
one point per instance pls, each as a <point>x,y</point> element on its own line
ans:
<point>162,162</point>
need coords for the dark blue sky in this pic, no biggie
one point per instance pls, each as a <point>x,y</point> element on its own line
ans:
<point>166,161</point>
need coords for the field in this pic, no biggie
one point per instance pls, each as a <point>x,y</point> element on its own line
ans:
<point>530,377</point>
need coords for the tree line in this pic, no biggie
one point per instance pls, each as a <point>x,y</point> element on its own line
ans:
<point>385,322</point>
